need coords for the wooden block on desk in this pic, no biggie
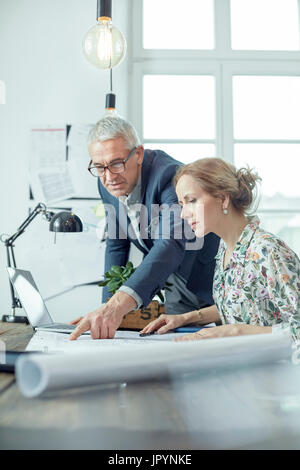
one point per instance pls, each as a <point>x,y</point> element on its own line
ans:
<point>138,319</point>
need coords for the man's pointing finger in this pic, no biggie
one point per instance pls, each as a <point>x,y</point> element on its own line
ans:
<point>83,326</point>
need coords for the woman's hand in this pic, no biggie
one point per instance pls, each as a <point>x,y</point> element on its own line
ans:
<point>164,323</point>
<point>236,329</point>
<point>212,332</point>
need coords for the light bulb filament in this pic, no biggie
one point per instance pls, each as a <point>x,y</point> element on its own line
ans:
<point>104,45</point>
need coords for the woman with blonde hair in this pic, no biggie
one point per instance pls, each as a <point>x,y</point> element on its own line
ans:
<point>257,276</point>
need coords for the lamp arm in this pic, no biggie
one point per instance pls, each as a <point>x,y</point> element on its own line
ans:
<point>9,244</point>
<point>37,210</point>
<point>10,255</point>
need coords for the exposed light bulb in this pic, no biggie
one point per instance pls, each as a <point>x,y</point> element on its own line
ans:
<point>104,45</point>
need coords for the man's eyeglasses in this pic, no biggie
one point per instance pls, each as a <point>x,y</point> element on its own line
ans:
<point>117,166</point>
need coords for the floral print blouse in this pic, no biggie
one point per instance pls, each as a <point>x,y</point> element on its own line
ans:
<point>261,283</point>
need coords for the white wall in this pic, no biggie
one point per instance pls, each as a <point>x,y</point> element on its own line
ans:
<point>48,80</point>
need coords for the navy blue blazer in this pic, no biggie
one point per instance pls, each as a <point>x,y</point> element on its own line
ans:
<point>164,255</point>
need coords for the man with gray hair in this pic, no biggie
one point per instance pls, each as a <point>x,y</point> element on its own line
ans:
<point>136,187</point>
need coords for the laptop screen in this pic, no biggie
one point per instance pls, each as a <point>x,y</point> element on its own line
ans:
<point>30,297</point>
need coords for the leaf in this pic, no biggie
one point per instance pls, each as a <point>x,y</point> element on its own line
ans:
<point>128,272</point>
<point>113,286</point>
<point>116,270</point>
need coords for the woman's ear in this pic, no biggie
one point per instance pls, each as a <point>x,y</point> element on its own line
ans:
<point>224,200</point>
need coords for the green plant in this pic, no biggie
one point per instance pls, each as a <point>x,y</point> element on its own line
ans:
<point>117,275</point>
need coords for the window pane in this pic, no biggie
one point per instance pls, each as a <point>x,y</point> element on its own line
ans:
<point>185,153</point>
<point>266,107</point>
<point>174,24</point>
<point>279,167</point>
<point>284,225</point>
<point>179,107</point>
<point>2,92</point>
<point>264,24</point>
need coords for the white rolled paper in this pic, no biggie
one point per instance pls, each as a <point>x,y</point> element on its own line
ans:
<point>38,373</point>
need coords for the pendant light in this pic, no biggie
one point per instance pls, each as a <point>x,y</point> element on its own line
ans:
<point>104,45</point>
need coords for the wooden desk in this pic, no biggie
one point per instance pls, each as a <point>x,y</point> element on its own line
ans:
<point>249,407</point>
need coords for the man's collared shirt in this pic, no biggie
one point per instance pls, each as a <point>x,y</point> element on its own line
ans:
<point>261,283</point>
<point>132,202</point>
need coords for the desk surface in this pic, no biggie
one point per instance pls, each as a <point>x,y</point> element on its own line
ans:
<point>247,407</point>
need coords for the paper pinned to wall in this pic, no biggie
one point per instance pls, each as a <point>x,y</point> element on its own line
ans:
<point>78,135</point>
<point>78,161</point>
<point>50,178</point>
<point>48,145</point>
<point>58,163</point>
<point>51,186</point>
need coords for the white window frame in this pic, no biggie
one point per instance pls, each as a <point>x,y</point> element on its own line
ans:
<point>2,92</point>
<point>222,62</point>
<point>145,68</point>
<point>222,49</point>
<point>270,68</point>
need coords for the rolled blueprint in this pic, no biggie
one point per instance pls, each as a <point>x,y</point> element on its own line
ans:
<point>39,373</point>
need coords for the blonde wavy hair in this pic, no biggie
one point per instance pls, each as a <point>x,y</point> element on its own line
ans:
<point>216,177</point>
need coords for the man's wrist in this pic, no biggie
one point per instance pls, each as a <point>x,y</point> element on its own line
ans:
<point>120,303</point>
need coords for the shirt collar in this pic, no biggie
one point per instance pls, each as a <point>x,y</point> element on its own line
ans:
<point>242,245</point>
<point>135,196</point>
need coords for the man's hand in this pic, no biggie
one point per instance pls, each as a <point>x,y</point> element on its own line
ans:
<point>101,324</point>
<point>104,321</point>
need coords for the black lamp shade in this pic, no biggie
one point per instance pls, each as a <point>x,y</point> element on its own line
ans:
<point>65,222</point>
<point>110,101</point>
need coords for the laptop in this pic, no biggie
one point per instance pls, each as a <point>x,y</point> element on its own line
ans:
<point>33,303</point>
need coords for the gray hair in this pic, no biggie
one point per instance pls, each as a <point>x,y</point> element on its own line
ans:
<point>113,127</point>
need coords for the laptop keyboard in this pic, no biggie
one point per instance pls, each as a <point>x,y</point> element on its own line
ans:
<point>59,326</point>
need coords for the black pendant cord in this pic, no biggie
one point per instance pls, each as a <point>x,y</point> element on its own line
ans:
<point>111,80</point>
<point>110,100</point>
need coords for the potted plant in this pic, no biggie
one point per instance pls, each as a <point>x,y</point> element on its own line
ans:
<point>136,319</point>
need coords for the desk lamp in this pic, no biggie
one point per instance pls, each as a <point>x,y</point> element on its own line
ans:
<point>64,221</point>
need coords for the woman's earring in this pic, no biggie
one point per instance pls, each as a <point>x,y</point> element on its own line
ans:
<point>225,211</point>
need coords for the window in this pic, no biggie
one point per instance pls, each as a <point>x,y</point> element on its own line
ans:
<point>178,24</point>
<point>2,92</point>
<point>266,107</point>
<point>222,78</point>
<point>265,25</point>
<point>166,117</point>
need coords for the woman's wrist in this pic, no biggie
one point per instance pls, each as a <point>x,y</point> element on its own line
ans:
<point>203,316</point>
<point>192,317</point>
